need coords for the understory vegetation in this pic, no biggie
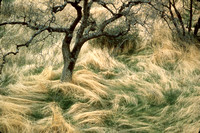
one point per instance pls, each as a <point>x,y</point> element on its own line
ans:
<point>156,88</point>
<point>120,85</point>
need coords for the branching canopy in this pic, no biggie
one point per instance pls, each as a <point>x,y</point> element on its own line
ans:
<point>80,26</point>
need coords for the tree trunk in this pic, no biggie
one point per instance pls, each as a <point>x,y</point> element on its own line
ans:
<point>67,71</point>
<point>197,27</point>
<point>66,75</point>
<point>69,58</point>
<point>0,5</point>
<point>191,15</point>
<point>172,17</point>
<point>179,18</point>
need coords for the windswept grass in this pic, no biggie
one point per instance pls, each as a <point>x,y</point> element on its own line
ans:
<point>153,89</point>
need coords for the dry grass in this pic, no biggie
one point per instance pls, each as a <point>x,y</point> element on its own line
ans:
<point>154,89</point>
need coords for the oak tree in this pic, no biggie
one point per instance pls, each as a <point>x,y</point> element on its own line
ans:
<point>82,28</point>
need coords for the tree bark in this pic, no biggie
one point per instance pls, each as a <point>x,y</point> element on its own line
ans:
<point>66,75</point>
<point>0,2</point>
<point>69,58</point>
<point>191,15</point>
<point>179,17</point>
<point>173,18</point>
<point>197,27</point>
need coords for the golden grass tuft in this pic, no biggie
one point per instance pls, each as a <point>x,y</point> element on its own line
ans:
<point>98,58</point>
<point>94,117</point>
<point>49,74</point>
<point>165,49</point>
<point>90,81</point>
<point>13,106</point>
<point>123,99</point>
<point>14,123</point>
<point>189,61</point>
<point>56,123</point>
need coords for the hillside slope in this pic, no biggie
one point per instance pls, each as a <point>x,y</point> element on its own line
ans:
<point>155,89</point>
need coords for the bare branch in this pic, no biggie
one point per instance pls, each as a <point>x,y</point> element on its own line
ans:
<point>37,27</point>
<point>104,4</point>
<point>179,17</point>
<point>79,15</point>
<point>123,11</point>
<point>82,28</point>
<point>58,8</point>
<point>17,48</point>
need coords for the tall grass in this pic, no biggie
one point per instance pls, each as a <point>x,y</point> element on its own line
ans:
<point>155,88</point>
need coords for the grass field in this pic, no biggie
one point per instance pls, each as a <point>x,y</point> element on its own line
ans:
<point>153,89</point>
